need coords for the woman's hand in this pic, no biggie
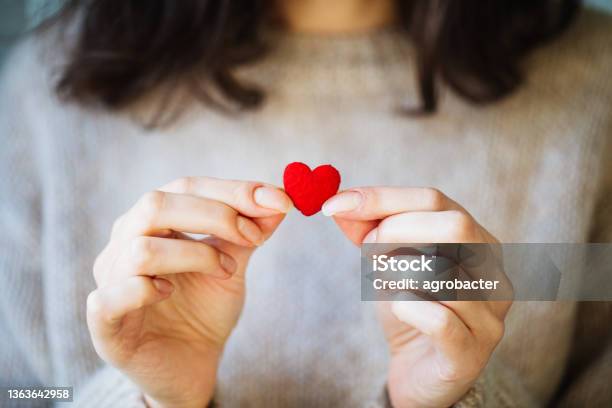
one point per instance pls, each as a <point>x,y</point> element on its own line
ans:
<point>438,349</point>
<point>165,302</point>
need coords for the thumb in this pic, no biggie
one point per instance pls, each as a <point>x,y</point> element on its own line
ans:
<point>107,305</point>
<point>268,225</point>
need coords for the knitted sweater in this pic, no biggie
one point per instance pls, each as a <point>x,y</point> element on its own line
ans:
<point>531,168</point>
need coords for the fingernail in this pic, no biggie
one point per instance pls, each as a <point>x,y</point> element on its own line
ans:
<point>163,286</point>
<point>347,201</point>
<point>227,263</point>
<point>371,237</point>
<point>272,198</point>
<point>249,230</point>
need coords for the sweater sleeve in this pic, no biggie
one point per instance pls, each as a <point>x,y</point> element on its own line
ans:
<point>587,382</point>
<point>498,386</point>
<point>25,357</point>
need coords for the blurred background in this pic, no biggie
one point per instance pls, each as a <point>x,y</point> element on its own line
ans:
<point>17,16</point>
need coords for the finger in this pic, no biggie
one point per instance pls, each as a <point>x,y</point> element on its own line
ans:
<point>152,256</point>
<point>484,319</point>
<point>119,226</point>
<point>264,203</point>
<point>106,306</point>
<point>373,203</point>
<point>247,197</point>
<point>447,331</point>
<point>159,211</point>
<point>355,230</point>
<point>426,227</point>
<point>268,225</point>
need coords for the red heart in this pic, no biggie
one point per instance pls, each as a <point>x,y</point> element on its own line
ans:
<point>309,189</point>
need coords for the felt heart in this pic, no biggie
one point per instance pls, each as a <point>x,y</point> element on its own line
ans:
<point>309,189</point>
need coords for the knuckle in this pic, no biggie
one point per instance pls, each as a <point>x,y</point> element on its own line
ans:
<point>152,202</point>
<point>204,181</point>
<point>371,198</point>
<point>143,252</point>
<point>433,199</point>
<point>442,323</point>
<point>224,213</point>
<point>242,194</point>
<point>184,185</point>
<point>207,252</point>
<point>142,289</point>
<point>94,303</point>
<point>461,226</point>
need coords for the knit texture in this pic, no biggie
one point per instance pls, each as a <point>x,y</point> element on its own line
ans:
<point>530,168</point>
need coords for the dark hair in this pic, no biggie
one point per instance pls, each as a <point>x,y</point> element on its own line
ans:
<point>125,48</point>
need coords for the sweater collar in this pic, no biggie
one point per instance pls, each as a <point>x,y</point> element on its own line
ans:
<point>369,63</point>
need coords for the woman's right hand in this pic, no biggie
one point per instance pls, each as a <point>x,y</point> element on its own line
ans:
<point>165,303</point>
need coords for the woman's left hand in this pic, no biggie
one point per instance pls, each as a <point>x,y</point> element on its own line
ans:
<point>438,349</point>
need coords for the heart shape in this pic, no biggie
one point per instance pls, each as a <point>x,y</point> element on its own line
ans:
<point>309,189</point>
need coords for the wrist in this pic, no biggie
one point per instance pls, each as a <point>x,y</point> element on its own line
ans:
<point>193,390</point>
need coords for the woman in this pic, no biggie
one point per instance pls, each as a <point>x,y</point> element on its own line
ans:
<point>517,136</point>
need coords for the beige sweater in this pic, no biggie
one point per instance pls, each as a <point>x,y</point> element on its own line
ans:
<point>530,169</point>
